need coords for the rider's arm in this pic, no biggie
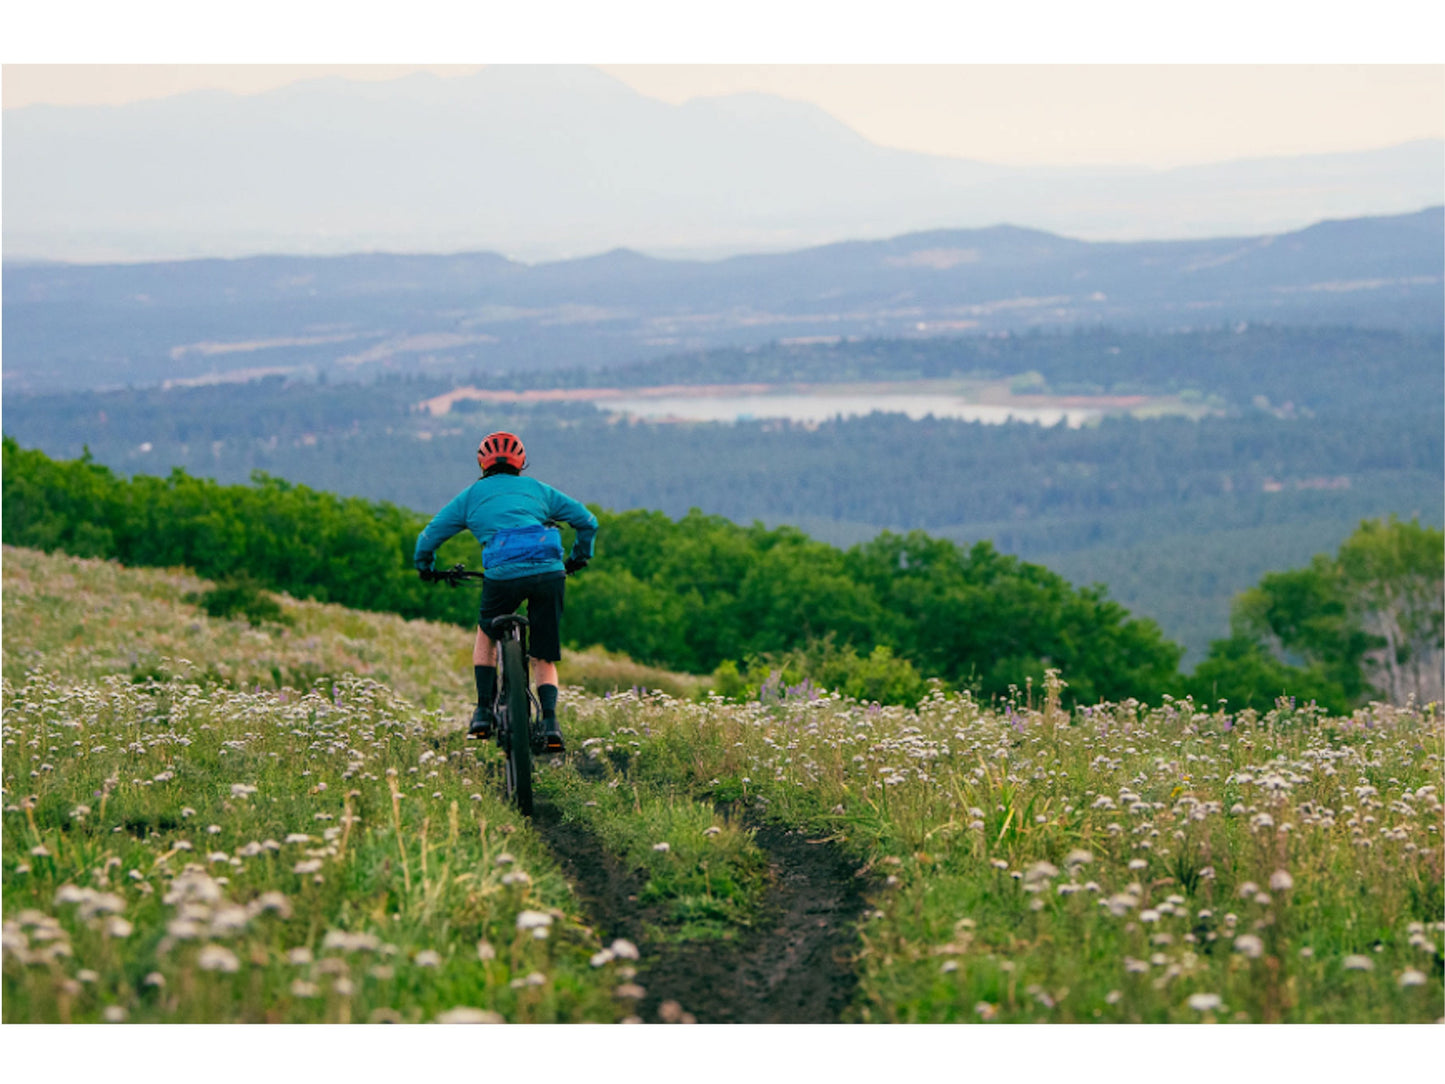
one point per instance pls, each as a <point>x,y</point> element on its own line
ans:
<point>449,521</point>
<point>566,510</point>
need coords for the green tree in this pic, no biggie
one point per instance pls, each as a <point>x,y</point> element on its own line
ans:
<point>1364,623</point>
<point>1245,674</point>
<point>1393,577</point>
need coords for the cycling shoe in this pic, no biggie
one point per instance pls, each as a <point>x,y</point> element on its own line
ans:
<point>481,725</point>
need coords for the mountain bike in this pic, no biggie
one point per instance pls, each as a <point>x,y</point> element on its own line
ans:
<point>518,728</point>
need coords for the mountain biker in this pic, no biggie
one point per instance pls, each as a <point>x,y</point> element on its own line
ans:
<point>522,557</point>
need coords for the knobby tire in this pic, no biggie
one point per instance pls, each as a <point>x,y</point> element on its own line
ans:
<point>514,671</point>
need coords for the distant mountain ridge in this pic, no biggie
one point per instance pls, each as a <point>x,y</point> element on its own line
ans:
<point>547,162</point>
<point>82,326</point>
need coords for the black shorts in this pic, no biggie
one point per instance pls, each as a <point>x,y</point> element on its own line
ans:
<point>543,596</point>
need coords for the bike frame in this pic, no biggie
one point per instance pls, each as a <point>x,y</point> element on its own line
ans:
<point>515,707</point>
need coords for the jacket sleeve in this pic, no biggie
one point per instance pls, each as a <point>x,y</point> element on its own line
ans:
<point>449,521</point>
<point>566,510</point>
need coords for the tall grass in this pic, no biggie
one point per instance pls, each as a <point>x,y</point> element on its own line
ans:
<point>1121,862</point>
<point>203,846</point>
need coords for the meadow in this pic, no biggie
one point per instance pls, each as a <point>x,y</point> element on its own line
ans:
<point>210,821</point>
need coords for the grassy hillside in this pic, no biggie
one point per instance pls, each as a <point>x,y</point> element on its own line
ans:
<point>185,841</point>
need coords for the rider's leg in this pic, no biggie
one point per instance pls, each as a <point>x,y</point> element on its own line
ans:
<point>545,673</point>
<point>484,669</point>
<point>484,651</point>
<point>544,608</point>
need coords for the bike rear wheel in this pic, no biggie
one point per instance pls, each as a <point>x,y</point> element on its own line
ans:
<point>514,679</point>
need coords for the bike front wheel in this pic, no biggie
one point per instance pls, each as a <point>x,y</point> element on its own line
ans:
<point>514,678</point>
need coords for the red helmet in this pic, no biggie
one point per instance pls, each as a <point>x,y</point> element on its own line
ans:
<point>502,448</point>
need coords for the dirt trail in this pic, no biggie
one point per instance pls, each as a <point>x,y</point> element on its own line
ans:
<point>794,967</point>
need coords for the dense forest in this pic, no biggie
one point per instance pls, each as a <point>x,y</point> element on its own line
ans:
<point>697,593</point>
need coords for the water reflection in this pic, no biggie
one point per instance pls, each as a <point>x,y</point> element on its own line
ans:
<point>823,407</point>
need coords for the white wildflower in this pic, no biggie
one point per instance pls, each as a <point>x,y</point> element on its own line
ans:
<point>218,958</point>
<point>270,901</point>
<point>624,949</point>
<point>464,1015</point>
<point>1249,945</point>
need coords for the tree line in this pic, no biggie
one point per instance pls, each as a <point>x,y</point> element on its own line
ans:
<point>694,593</point>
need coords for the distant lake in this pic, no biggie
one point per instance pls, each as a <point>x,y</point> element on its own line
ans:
<point>828,405</point>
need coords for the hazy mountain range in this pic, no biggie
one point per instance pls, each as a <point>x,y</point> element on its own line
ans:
<point>552,162</point>
<point>84,326</point>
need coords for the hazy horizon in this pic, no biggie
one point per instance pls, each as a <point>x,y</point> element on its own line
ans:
<point>1156,117</point>
<point>550,162</point>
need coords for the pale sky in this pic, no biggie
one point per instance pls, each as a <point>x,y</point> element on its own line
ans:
<point>1127,114</point>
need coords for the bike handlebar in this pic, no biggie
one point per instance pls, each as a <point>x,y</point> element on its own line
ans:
<point>450,576</point>
<point>458,573</point>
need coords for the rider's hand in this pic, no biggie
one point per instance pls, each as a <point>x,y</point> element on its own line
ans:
<point>427,575</point>
<point>574,564</point>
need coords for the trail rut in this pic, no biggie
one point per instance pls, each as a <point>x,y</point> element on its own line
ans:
<point>795,966</point>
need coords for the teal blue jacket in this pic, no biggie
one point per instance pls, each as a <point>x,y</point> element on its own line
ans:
<point>505,513</point>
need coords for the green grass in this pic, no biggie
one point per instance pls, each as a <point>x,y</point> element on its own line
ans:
<point>702,871</point>
<point>256,826</point>
<point>1275,867</point>
<point>186,850</point>
<point>1038,865</point>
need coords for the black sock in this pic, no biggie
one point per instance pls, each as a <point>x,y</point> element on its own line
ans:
<point>486,684</point>
<point>547,696</point>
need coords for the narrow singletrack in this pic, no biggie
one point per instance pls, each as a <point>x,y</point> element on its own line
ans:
<point>794,967</point>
